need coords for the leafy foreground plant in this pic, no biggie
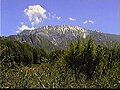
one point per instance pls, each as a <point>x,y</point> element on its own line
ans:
<point>46,76</point>
<point>83,65</point>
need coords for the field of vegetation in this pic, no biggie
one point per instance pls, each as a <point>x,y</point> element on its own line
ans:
<point>84,64</point>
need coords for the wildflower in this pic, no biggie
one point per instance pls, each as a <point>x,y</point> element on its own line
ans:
<point>118,81</point>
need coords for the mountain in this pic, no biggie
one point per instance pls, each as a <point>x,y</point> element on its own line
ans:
<point>34,40</point>
<point>103,37</point>
<point>58,37</point>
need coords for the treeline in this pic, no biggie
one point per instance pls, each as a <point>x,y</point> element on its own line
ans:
<point>14,54</point>
<point>84,57</point>
<point>91,59</point>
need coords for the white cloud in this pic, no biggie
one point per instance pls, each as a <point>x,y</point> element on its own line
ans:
<point>23,27</point>
<point>58,18</point>
<point>36,14</point>
<point>71,19</point>
<point>89,21</point>
<point>52,15</point>
<point>85,22</point>
<point>17,31</point>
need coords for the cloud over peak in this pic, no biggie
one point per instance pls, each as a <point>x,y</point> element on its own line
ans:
<point>36,14</point>
<point>89,21</point>
<point>23,27</point>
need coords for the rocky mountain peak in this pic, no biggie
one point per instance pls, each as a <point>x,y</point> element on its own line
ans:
<point>61,35</point>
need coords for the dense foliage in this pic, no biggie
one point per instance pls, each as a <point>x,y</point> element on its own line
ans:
<point>85,64</point>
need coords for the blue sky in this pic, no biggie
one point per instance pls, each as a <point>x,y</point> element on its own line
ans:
<point>101,15</point>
